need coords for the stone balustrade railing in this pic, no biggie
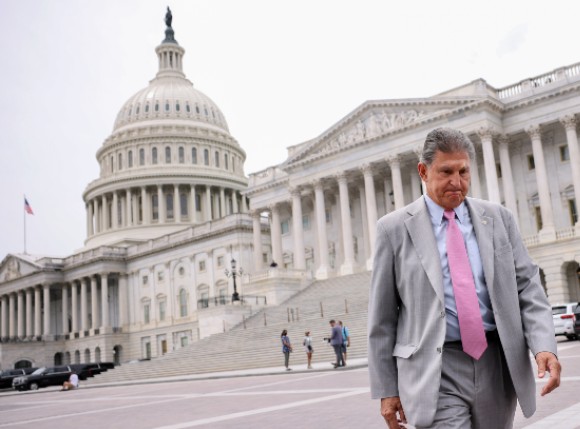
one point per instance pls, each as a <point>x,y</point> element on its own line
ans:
<point>561,234</point>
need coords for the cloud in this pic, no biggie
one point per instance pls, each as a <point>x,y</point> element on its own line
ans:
<point>513,40</point>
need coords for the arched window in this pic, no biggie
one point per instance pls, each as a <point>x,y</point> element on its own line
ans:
<point>112,164</point>
<point>187,108</point>
<point>167,155</point>
<point>137,110</point>
<point>155,206</point>
<point>183,203</point>
<point>130,159</point>
<point>157,106</point>
<point>77,357</point>
<point>167,106</point>
<point>147,108</point>
<point>120,162</point>
<point>217,158</point>
<point>177,106</point>
<point>226,161</point>
<point>197,109</point>
<point>98,354</point>
<point>141,156</point>
<point>181,154</point>
<point>182,303</point>
<point>206,157</point>
<point>154,155</point>
<point>87,355</point>
<point>194,155</point>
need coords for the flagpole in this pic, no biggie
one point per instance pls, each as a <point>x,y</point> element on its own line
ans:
<point>24,214</point>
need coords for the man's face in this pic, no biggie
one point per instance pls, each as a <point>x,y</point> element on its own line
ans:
<point>447,178</point>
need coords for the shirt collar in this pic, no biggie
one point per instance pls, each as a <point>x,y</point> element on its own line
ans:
<point>436,211</point>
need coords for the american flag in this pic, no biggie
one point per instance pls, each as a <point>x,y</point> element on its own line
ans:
<point>27,207</point>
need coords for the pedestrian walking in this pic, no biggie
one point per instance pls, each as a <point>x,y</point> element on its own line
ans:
<point>308,348</point>
<point>345,340</point>
<point>336,343</point>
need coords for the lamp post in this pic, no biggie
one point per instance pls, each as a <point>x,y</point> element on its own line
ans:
<point>233,273</point>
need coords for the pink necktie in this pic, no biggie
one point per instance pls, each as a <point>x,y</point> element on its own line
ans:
<point>470,321</point>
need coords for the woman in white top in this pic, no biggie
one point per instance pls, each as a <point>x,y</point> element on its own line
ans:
<point>308,347</point>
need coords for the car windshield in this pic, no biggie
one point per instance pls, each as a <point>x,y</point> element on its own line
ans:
<point>38,371</point>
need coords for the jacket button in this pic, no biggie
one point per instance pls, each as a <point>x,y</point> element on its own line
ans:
<point>439,349</point>
<point>442,314</point>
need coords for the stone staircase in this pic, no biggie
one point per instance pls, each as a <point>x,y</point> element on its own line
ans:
<point>255,343</point>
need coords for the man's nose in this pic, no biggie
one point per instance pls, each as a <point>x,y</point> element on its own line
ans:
<point>455,179</point>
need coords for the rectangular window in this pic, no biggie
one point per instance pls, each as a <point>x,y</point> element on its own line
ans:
<point>194,156</point>
<point>306,222</point>
<point>328,215</point>
<point>220,261</point>
<point>202,266</point>
<point>198,202</point>
<point>564,154</point>
<point>539,224</point>
<point>206,157</point>
<point>120,162</point>
<point>264,257</point>
<point>145,279</point>
<point>141,156</point>
<point>217,159</point>
<point>531,162</point>
<point>160,276</point>
<point>183,341</point>
<point>146,315</point>
<point>183,203</point>
<point>284,226</point>
<point>181,155</point>
<point>130,159</point>
<point>169,205</point>
<point>498,170</point>
<point>573,211</point>
<point>162,311</point>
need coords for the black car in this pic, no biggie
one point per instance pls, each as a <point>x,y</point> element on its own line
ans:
<point>8,375</point>
<point>43,377</point>
<point>577,321</point>
<point>85,370</point>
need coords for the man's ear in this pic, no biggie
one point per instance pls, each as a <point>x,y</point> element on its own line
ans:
<point>422,169</point>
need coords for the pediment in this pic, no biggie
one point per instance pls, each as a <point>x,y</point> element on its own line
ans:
<point>14,266</point>
<point>373,120</point>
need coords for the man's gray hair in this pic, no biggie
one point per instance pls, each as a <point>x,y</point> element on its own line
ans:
<point>446,140</point>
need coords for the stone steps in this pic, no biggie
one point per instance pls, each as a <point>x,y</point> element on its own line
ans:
<point>258,346</point>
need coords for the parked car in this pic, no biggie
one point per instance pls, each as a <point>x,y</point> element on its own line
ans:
<point>564,319</point>
<point>8,375</point>
<point>577,321</point>
<point>43,377</point>
<point>85,370</point>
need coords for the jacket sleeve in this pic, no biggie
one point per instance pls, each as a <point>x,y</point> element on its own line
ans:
<point>382,319</point>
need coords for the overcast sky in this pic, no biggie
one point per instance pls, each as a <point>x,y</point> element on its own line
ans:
<point>281,72</point>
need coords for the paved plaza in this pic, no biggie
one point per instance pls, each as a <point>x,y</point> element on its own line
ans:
<point>267,398</point>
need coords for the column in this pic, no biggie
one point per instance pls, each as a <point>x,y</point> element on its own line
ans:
<point>123,300</point>
<point>90,220</point>
<point>29,313</point>
<point>363,243</point>
<point>548,231</point>
<point>161,206</point>
<point>208,216</point>
<point>104,301</point>
<point>65,309</point>
<point>4,301</point>
<point>257,240</point>
<point>46,307</point>
<point>105,214</point>
<point>222,211</point>
<point>37,312</point>
<point>84,302</point>
<point>569,123</point>
<point>235,200</point>
<point>395,163</point>
<point>371,209</point>
<point>193,214</point>
<point>144,218</point>
<point>475,183</point>
<point>20,314</point>
<point>276,236</point>
<point>176,204</point>
<point>244,204</point>
<point>115,211</point>
<point>486,135</point>
<point>509,191</point>
<point>97,219</point>
<point>74,306</point>
<point>323,265</point>
<point>128,220</point>
<point>348,265</point>
<point>95,304</point>
<point>297,229</point>
<point>11,316</point>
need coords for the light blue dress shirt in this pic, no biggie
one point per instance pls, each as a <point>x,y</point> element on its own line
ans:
<point>439,224</point>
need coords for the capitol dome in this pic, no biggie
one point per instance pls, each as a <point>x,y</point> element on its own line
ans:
<point>169,164</point>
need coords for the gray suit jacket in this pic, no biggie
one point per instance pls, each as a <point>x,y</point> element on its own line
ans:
<point>407,313</point>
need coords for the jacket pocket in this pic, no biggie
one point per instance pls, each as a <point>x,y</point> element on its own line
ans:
<point>404,351</point>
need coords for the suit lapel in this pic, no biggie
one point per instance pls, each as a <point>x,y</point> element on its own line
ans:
<point>483,227</point>
<point>421,232</point>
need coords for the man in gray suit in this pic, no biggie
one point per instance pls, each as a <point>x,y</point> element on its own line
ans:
<point>432,361</point>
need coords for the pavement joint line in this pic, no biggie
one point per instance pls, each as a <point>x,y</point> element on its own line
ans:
<point>193,423</point>
<point>568,418</point>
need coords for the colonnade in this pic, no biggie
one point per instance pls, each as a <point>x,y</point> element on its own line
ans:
<point>27,313</point>
<point>161,204</point>
<point>392,181</point>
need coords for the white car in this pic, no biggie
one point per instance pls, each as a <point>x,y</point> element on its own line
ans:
<point>564,318</point>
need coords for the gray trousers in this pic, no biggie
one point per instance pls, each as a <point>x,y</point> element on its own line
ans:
<point>338,353</point>
<point>475,394</point>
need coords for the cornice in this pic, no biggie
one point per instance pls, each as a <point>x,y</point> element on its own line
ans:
<point>537,98</point>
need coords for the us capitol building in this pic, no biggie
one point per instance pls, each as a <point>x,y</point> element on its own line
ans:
<point>182,245</point>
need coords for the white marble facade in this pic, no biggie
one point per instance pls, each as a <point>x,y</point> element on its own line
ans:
<point>172,207</point>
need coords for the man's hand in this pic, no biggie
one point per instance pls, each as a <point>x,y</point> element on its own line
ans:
<point>548,362</point>
<point>389,409</point>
